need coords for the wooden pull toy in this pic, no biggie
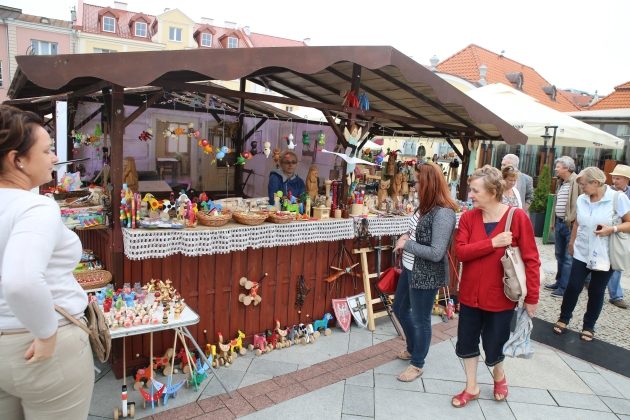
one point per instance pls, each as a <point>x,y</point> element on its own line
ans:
<point>252,287</point>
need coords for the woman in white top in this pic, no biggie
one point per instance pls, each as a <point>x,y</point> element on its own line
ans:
<point>46,365</point>
<point>594,220</point>
<point>511,196</point>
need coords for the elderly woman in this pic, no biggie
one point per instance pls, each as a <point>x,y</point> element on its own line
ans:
<point>285,179</point>
<point>511,195</point>
<point>46,365</point>
<point>485,311</point>
<point>594,221</point>
<point>425,265</point>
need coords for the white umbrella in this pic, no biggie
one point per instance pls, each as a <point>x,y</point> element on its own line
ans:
<point>530,117</point>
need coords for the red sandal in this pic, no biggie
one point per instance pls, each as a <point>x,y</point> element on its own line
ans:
<point>463,398</point>
<point>501,388</point>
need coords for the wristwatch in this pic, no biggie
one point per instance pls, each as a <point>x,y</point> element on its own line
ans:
<point>615,229</point>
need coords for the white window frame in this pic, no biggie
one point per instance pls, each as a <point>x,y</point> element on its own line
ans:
<point>44,47</point>
<point>141,24</point>
<point>208,36</point>
<point>232,40</point>
<point>173,33</point>
<point>111,21</point>
<point>104,50</point>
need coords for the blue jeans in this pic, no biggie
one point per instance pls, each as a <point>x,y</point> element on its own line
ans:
<point>596,290</point>
<point>413,309</point>
<point>564,259</point>
<point>614,287</point>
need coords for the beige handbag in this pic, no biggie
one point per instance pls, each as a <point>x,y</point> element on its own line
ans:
<point>619,243</point>
<point>97,330</point>
<point>514,279</point>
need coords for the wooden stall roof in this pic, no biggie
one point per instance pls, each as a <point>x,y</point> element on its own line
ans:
<point>405,97</point>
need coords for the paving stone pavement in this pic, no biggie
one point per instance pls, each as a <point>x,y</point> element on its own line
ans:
<point>613,324</point>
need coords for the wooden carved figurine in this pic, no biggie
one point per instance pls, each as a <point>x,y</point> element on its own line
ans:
<point>382,191</point>
<point>311,182</point>
<point>405,184</point>
<point>130,175</point>
<point>396,188</point>
<point>390,169</point>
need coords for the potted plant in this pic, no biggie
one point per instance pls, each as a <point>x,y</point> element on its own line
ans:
<point>538,208</point>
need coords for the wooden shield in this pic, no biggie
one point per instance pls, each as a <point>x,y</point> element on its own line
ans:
<point>342,313</point>
<point>358,308</point>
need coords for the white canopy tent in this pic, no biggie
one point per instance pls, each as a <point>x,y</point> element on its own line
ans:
<point>530,117</point>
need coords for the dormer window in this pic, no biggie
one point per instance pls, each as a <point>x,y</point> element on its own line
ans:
<point>140,29</point>
<point>232,42</point>
<point>551,91</point>
<point>175,34</point>
<point>516,78</point>
<point>109,24</point>
<point>206,39</point>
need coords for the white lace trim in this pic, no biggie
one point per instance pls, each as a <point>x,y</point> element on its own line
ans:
<point>143,244</point>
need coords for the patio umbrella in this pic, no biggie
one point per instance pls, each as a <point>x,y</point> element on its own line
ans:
<point>530,117</point>
<point>519,343</point>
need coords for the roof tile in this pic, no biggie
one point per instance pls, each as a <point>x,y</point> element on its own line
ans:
<point>620,98</point>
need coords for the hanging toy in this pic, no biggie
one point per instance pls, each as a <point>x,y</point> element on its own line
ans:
<point>146,135</point>
<point>267,149</point>
<point>97,130</point>
<point>350,100</point>
<point>306,139</point>
<point>254,148</point>
<point>290,144</point>
<point>240,160</point>
<point>191,130</point>
<point>321,138</point>
<point>364,102</point>
<point>247,155</point>
<point>276,157</point>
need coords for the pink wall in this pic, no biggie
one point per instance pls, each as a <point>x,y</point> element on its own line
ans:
<point>4,57</point>
<point>24,36</point>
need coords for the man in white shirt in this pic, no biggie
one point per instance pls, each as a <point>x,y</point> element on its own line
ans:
<point>524,182</point>
<point>621,179</point>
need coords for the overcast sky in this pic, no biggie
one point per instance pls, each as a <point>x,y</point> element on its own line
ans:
<point>579,44</point>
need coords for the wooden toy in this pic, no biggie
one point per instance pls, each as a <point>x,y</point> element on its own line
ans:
<point>127,409</point>
<point>225,355</point>
<point>322,324</point>
<point>282,334</point>
<point>253,295</point>
<point>260,344</point>
<point>294,334</point>
<point>236,345</point>
<point>163,363</point>
<point>272,339</point>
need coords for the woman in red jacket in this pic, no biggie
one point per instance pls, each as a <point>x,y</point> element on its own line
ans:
<point>484,310</point>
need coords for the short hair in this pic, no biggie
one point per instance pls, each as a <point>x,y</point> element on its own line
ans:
<point>592,174</point>
<point>16,131</point>
<point>509,172</point>
<point>492,180</point>
<point>288,152</point>
<point>567,162</point>
<point>512,158</point>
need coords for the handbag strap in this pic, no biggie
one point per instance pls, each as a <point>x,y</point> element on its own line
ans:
<point>615,199</point>
<point>508,224</point>
<point>72,319</point>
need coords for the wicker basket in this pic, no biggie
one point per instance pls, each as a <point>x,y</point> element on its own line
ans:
<point>70,194</point>
<point>214,220</point>
<point>251,218</point>
<point>276,217</point>
<point>93,279</point>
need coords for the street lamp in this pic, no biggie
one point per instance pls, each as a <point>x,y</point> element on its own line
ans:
<point>546,137</point>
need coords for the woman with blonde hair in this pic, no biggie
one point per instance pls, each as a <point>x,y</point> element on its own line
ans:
<point>594,221</point>
<point>511,196</point>
<point>425,264</point>
<point>485,311</point>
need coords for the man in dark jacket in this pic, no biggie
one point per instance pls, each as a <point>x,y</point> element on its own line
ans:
<point>285,178</point>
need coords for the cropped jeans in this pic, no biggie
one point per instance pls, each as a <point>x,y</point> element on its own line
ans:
<point>413,309</point>
<point>615,291</point>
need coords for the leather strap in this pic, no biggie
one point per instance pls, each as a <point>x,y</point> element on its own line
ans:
<point>72,319</point>
<point>508,224</point>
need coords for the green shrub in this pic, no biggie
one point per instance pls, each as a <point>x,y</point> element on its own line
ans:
<point>542,190</point>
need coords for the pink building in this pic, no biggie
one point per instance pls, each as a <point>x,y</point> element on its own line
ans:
<point>22,34</point>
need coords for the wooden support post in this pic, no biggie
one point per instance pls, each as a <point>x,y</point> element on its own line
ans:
<point>367,288</point>
<point>117,120</point>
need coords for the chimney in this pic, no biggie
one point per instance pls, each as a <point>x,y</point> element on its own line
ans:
<point>230,25</point>
<point>483,71</point>
<point>73,15</point>
<point>246,30</point>
<point>307,41</point>
<point>434,62</point>
<point>121,5</point>
<point>208,21</point>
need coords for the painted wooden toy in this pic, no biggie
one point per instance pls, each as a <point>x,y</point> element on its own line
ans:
<point>322,324</point>
<point>143,375</point>
<point>182,356</point>
<point>225,355</point>
<point>294,334</point>
<point>252,287</point>
<point>306,333</point>
<point>272,339</point>
<point>260,344</point>
<point>283,341</point>
<point>236,345</point>
<point>163,363</point>
<point>127,409</point>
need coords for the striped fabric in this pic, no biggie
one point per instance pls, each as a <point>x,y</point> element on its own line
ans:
<point>407,257</point>
<point>561,200</point>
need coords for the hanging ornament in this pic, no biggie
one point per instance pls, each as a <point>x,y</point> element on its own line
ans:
<point>290,143</point>
<point>247,155</point>
<point>276,157</point>
<point>146,135</point>
<point>350,100</point>
<point>254,148</point>
<point>240,160</point>
<point>321,138</point>
<point>306,139</point>
<point>364,102</point>
<point>267,149</point>
<point>97,130</point>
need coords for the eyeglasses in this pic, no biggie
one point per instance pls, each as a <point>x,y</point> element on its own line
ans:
<point>289,162</point>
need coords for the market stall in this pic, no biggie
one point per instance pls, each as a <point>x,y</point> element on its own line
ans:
<point>206,265</point>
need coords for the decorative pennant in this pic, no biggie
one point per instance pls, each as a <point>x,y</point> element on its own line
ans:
<point>358,308</point>
<point>342,313</point>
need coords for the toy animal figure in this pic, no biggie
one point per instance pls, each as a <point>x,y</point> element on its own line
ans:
<point>282,333</point>
<point>225,356</point>
<point>184,364</point>
<point>276,157</point>
<point>382,192</point>
<point>405,185</point>
<point>142,377</point>
<point>306,333</point>
<point>253,295</point>
<point>236,344</point>
<point>390,169</point>
<point>312,186</point>
<point>260,344</point>
<point>272,339</point>
<point>163,363</point>
<point>322,324</point>
<point>294,334</point>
